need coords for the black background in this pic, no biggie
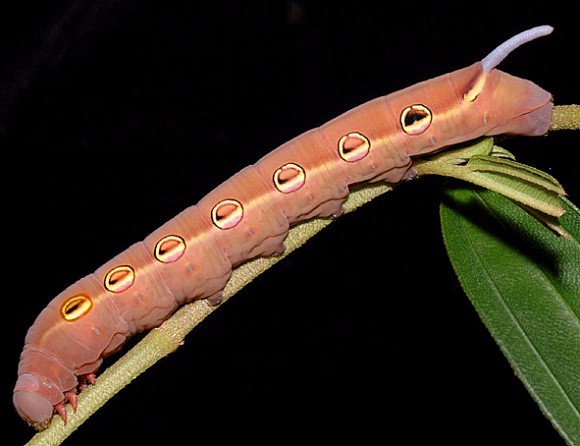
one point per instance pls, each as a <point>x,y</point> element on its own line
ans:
<point>116,115</point>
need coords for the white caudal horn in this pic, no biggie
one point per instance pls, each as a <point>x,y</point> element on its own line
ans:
<point>494,58</point>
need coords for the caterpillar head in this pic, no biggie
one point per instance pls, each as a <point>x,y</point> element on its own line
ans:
<point>42,387</point>
<point>32,400</point>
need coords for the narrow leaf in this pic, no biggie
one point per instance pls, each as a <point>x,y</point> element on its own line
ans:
<point>464,152</point>
<point>524,283</point>
<point>517,170</point>
<point>484,164</point>
<point>519,190</point>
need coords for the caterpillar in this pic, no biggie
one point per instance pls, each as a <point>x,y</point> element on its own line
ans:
<point>191,256</point>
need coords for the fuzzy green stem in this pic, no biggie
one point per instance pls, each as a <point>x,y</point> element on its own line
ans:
<point>566,117</point>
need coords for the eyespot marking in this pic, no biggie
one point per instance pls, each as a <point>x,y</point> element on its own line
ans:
<point>415,119</point>
<point>169,249</point>
<point>353,146</point>
<point>119,278</point>
<point>75,307</point>
<point>289,178</point>
<point>227,213</point>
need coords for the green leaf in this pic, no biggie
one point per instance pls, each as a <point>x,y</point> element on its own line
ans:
<point>484,164</point>
<point>510,167</point>
<point>524,282</point>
